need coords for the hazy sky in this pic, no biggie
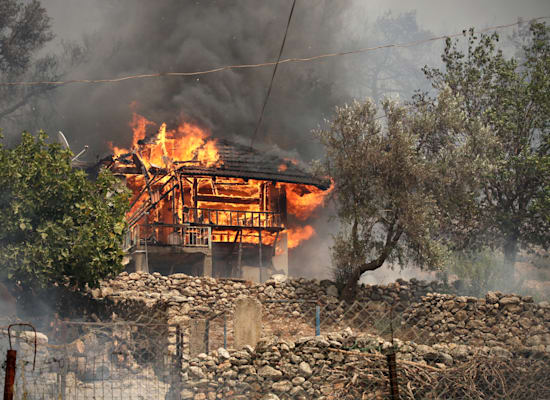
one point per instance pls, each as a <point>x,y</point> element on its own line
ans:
<point>71,18</point>
<point>446,16</point>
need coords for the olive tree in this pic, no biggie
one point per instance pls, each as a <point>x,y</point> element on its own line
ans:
<point>393,178</point>
<point>511,95</point>
<point>25,31</point>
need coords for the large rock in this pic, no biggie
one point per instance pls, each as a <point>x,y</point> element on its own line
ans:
<point>197,372</point>
<point>186,394</point>
<point>282,386</point>
<point>509,300</point>
<point>270,396</point>
<point>247,322</point>
<point>491,298</point>
<point>305,369</point>
<point>331,290</point>
<point>269,372</point>
<point>278,278</point>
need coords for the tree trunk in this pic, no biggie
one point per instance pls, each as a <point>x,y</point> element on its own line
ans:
<point>349,291</point>
<point>510,255</point>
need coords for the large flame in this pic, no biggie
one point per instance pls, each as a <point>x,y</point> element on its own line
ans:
<point>221,201</point>
<point>299,234</point>
<point>186,143</point>
<point>303,200</point>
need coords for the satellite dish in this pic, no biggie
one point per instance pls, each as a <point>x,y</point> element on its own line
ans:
<point>79,154</point>
<point>63,140</point>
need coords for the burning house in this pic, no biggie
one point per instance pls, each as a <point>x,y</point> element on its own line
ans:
<point>209,207</point>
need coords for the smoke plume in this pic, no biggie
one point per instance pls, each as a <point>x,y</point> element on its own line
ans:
<point>141,36</point>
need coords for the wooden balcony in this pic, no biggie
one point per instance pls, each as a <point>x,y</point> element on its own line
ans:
<point>168,235</point>
<point>234,219</point>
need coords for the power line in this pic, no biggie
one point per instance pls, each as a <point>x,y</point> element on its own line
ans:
<point>272,76</point>
<point>260,65</point>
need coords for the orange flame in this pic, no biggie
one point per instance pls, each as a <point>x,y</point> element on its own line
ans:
<point>303,200</point>
<point>218,197</point>
<point>299,234</point>
<point>188,142</point>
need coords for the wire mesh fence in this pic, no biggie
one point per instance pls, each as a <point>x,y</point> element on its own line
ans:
<point>122,360</point>
<point>310,349</point>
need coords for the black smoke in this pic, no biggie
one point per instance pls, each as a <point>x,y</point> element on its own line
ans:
<point>142,36</point>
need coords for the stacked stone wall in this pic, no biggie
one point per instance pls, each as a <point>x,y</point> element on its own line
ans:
<point>496,320</point>
<point>424,316</point>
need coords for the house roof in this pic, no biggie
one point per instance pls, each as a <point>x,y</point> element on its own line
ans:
<point>239,161</point>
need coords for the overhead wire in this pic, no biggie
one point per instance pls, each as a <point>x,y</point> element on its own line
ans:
<point>272,76</point>
<point>260,65</point>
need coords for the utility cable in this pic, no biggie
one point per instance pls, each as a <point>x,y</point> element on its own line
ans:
<point>266,64</point>
<point>272,77</point>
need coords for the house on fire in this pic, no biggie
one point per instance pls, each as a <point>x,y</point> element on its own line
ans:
<point>212,207</point>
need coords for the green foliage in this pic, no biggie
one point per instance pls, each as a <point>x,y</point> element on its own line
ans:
<point>487,270</point>
<point>25,31</point>
<point>392,181</point>
<point>510,207</point>
<point>480,272</point>
<point>58,226</point>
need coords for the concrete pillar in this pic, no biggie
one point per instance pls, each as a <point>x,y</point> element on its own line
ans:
<point>280,261</point>
<point>197,337</point>
<point>207,264</point>
<point>140,261</point>
<point>247,322</point>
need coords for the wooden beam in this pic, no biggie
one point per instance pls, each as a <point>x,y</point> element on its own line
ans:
<point>228,199</point>
<point>182,199</point>
<point>240,255</point>
<point>262,196</point>
<point>194,198</point>
<point>260,250</point>
<point>275,244</point>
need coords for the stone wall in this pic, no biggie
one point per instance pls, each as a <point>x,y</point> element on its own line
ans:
<point>426,317</point>
<point>344,365</point>
<point>194,296</point>
<point>497,320</point>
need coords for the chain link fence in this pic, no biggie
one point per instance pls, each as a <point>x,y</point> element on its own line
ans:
<point>310,349</point>
<point>96,360</point>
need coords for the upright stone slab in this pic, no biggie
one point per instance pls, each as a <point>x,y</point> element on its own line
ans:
<point>207,264</point>
<point>247,322</point>
<point>141,261</point>
<point>197,337</point>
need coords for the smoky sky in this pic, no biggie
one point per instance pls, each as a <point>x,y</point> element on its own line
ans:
<point>126,37</point>
<point>139,36</point>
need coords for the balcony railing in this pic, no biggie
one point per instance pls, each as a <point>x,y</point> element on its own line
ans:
<point>168,235</point>
<point>236,218</point>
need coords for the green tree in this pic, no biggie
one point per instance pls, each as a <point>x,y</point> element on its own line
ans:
<point>58,226</point>
<point>510,210</point>
<point>392,181</point>
<point>25,30</point>
<point>394,71</point>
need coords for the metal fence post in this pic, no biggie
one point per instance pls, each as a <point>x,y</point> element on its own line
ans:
<point>224,330</point>
<point>207,336</point>
<point>179,345</point>
<point>317,320</point>
<point>392,366</point>
<point>11,358</point>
